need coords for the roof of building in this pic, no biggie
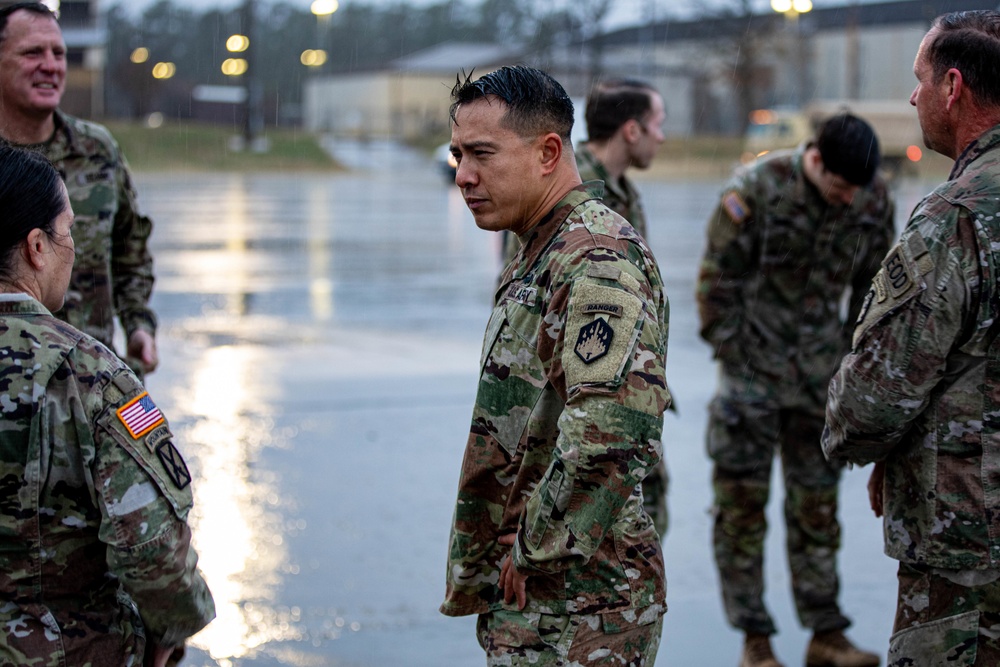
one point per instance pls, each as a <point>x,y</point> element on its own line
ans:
<point>921,12</point>
<point>451,56</point>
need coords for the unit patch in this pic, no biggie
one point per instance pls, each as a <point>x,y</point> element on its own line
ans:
<point>140,415</point>
<point>736,208</point>
<point>157,436</point>
<point>603,309</point>
<point>174,465</point>
<point>593,341</point>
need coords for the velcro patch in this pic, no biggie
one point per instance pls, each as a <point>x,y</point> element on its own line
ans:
<point>736,208</point>
<point>593,341</point>
<point>140,415</point>
<point>173,464</point>
<point>603,271</point>
<point>603,308</point>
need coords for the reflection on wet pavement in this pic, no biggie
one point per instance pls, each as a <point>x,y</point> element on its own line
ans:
<point>320,336</point>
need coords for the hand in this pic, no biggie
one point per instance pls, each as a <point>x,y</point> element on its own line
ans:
<point>512,583</point>
<point>876,483</point>
<point>157,655</point>
<point>142,346</point>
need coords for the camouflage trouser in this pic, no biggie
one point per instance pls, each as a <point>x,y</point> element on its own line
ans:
<point>654,497</point>
<point>742,438</point>
<point>946,618</point>
<point>518,639</point>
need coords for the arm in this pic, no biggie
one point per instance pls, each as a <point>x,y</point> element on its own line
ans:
<point>609,429</point>
<point>145,495</point>
<point>902,344</point>
<point>728,258</point>
<point>132,271</point>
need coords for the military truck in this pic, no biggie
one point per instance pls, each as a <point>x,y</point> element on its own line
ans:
<point>894,121</point>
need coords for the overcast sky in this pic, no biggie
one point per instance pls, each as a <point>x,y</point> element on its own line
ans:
<point>625,12</point>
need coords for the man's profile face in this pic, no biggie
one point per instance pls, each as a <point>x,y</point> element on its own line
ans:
<point>651,136</point>
<point>497,168</point>
<point>32,64</point>
<point>929,97</point>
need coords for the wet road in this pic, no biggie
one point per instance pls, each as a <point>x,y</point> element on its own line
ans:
<point>319,340</point>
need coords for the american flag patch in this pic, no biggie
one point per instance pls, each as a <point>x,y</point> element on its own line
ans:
<point>140,415</point>
<point>736,208</point>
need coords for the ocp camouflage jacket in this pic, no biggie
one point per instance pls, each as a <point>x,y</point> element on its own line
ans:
<point>921,388</point>
<point>567,422</point>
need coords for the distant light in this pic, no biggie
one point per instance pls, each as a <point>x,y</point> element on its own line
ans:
<point>762,117</point>
<point>324,7</point>
<point>234,66</point>
<point>52,4</point>
<point>237,43</point>
<point>914,153</point>
<point>313,57</point>
<point>164,70</point>
<point>154,120</point>
<point>781,6</point>
<point>802,6</point>
<point>140,55</point>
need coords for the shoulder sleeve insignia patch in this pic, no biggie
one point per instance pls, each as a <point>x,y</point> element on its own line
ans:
<point>140,415</point>
<point>174,465</point>
<point>611,309</point>
<point>736,208</point>
<point>593,341</point>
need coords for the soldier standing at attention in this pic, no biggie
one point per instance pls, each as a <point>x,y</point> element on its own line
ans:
<point>113,273</point>
<point>920,392</point>
<point>550,544</point>
<point>624,129</point>
<point>95,551</point>
<point>792,237</point>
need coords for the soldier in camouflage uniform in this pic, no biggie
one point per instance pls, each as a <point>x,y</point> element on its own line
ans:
<point>791,238</point>
<point>550,544</point>
<point>920,391</point>
<point>96,563</point>
<point>113,274</point>
<point>624,128</point>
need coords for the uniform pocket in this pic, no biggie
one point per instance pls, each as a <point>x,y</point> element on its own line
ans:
<point>542,503</point>
<point>947,642</point>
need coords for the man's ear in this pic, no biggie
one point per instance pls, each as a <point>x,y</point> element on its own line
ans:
<point>956,85</point>
<point>550,151</point>
<point>631,130</point>
<point>35,248</point>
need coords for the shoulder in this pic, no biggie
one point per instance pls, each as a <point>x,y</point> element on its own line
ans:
<point>90,137</point>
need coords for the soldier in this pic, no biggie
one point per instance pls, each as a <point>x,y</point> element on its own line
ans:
<point>791,238</point>
<point>95,552</point>
<point>550,544</point>
<point>624,129</point>
<point>920,392</point>
<point>113,274</point>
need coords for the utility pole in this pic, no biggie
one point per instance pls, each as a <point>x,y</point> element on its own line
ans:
<point>253,120</point>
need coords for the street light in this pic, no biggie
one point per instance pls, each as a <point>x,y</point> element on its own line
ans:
<point>324,7</point>
<point>234,66</point>
<point>313,57</point>
<point>139,55</point>
<point>237,43</point>
<point>164,70</point>
<point>791,7</point>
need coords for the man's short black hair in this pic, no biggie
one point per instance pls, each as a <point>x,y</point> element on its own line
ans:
<point>613,103</point>
<point>969,42</point>
<point>33,7</point>
<point>849,148</point>
<point>536,103</point>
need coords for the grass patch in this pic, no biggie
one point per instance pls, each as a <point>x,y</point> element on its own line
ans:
<point>183,146</point>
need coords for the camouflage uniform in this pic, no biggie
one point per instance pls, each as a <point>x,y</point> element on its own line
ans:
<point>113,270</point>
<point>921,392</point>
<point>778,263</point>
<point>93,519</point>
<point>623,199</point>
<point>566,424</point>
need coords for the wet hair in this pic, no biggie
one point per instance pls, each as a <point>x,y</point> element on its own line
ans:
<point>969,42</point>
<point>31,197</point>
<point>849,148</point>
<point>613,103</point>
<point>33,7</point>
<point>536,103</point>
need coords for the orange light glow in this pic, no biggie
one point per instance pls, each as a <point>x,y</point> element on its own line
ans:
<point>914,153</point>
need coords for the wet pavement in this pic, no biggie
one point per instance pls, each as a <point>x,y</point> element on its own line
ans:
<point>319,341</point>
